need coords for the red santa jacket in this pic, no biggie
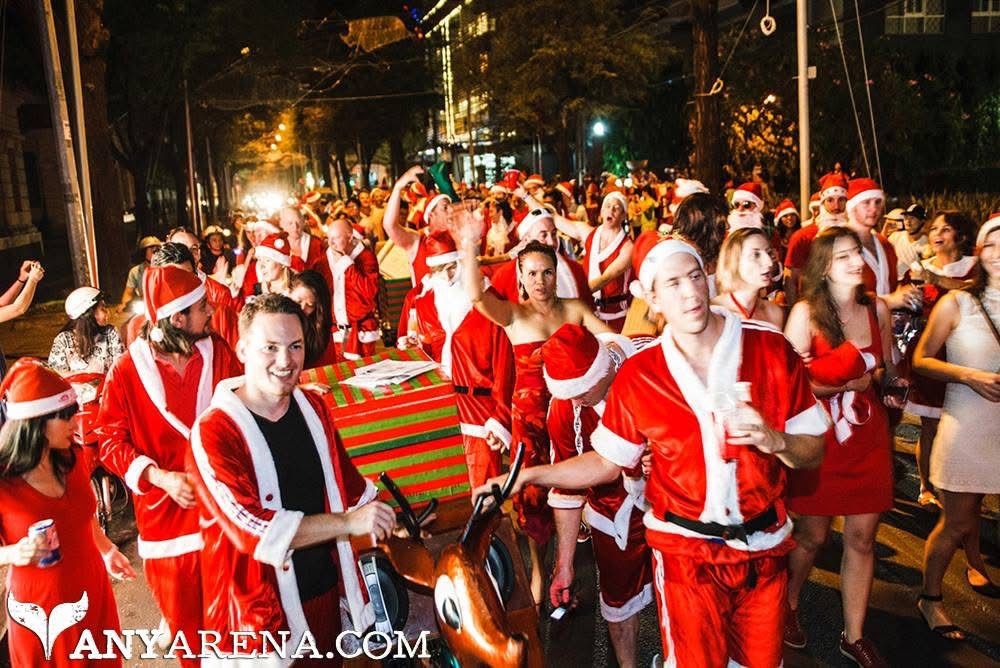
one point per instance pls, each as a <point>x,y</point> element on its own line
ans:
<point>139,425</point>
<point>615,294</point>
<point>474,352</point>
<point>247,532</point>
<point>571,280</point>
<point>308,255</point>
<point>353,282</point>
<point>658,399</point>
<point>249,279</point>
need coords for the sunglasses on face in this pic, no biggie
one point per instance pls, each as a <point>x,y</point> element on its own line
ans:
<point>743,206</point>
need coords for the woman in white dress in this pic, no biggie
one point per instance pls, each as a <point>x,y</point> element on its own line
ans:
<point>88,343</point>
<point>966,455</point>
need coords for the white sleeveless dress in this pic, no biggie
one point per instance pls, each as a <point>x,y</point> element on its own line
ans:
<point>966,453</point>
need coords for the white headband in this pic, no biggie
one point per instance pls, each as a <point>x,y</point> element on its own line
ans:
<point>660,252</point>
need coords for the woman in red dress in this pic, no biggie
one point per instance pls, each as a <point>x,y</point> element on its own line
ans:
<point>43,478</point>
<point>845,336</point>
<point>528,325</point>
<point>743,275</point>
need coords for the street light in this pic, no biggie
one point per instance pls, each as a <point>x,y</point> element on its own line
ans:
<point>598,129</point>
<point>770,99</point>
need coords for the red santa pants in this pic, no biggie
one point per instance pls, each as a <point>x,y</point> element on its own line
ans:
<point>176,586</point>
<point>624,576</point>
<point>322,615</point>
<point>483,463</point>
<point>708,616</point>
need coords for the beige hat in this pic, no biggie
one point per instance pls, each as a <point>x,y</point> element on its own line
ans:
<point>896,215</point>
<point>149,242</point>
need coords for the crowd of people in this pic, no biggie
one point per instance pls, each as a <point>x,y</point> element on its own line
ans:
<point>700,382</point>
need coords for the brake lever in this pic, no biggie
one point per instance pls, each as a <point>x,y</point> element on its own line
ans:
<point>407,515</point>
<point>431,507</point>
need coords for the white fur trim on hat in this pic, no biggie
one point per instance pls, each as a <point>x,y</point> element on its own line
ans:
<point>274,255</point>
<point>179,304</point>
<point>530,220</point>
<point>747,196</point>
<point>437,199</point>
<point>984,231</point>
<point>781,213</point>
<point>864,195</point>
<point>832,191</point>
<point>616,195</point>
<point>25,410</point>
<point>264,224</point>
<point>442,259</point>
<point>573,387</point>
<point>660,252</point>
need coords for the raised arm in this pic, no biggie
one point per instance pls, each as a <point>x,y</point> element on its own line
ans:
<point>23,301</point>
<point>402,237</point>
<point>15,287</point>
<point>574,229</point>
<point>467,229</point>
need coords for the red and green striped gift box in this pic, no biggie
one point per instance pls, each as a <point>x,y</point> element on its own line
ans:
<point>395,294</point>
<point>410,430</point>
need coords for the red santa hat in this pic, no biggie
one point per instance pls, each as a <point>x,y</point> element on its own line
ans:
<point>32,390</point>
<point>659,253</point>
<point>499,189</point>
<point>511,179</point>
<point>275,247</point>
<point>833,184</point>
<point>532,218</point>
<point>786,207</point>
<point>441,249</point>
<point>814,203</point>
<point>992,224</point>
<point>640,248</point>
<point>435,202</point>
<point>168,290</point>
<point>616,196</point>
<point>566,188</point>
<point>575,361</point>
<point>859,190</point>
<point>534,181</point>
<point>749,192</point>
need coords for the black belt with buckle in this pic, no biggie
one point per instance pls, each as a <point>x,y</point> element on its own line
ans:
<point>609,301</point>
<point>474,391</point>
<point>342,328</point>
<point>740,532</point>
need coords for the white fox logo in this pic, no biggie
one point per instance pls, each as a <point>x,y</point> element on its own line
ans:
<point>47,628</point>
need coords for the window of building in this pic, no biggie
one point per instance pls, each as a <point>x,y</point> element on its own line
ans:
<point>914,17</point>
<point>986,16</point>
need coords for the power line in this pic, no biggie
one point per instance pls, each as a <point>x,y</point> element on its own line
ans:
<point>237,105</point>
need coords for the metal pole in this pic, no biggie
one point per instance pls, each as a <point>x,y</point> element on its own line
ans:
<point>192,191</point>
<point>802,49</point>
<point>81,136</point>
<point>81,257</point>
<point>213,190</point>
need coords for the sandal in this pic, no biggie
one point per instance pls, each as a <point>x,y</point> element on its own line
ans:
<point>946,631</point>
<point>989,589</point>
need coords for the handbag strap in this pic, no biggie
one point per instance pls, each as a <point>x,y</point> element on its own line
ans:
<point>989,320</point>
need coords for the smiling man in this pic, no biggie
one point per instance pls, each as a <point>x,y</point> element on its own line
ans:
<point>717,524</point>
<point>279,496</point>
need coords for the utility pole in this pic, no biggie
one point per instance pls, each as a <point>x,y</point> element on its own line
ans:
<point>213,189</point>
<point>81,132</point>
<point>192,190</point>
<point>82,255</point>
<point>802,49</point>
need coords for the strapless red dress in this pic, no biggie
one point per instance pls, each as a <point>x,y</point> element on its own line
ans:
<point>529,409</point>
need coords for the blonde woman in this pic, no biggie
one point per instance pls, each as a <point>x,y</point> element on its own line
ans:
<point>743,275</point>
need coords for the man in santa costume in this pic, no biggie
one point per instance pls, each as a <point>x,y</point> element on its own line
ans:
<point>151,398</point>
<point>279,497</point>
<point>571,278</point>
<point>607,255</point>
<point>578,372</point>
<point>351,271</point>
<point>747,204</point>
<point>307,250</point>
<point>717,524</point>
<point>435,213</point>
<point>831,211</point>
<point>473,351</point>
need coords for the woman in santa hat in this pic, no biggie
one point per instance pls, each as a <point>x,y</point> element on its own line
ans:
<point>274,265</point>
<point>42,477</point>
<point>744,274</point>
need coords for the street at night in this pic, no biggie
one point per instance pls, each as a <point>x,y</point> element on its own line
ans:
<point>461,333</point>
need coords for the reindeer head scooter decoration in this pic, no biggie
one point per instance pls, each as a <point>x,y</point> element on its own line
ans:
<point>468,608</point>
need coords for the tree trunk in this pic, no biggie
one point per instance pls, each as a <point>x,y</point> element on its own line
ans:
<point>345,174</point>
<point>178,169</point>
<point>562,147</point>
<point>109,230</point>
<point>706,128</point>
<point>397,157</point>
<point>326,168</point>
